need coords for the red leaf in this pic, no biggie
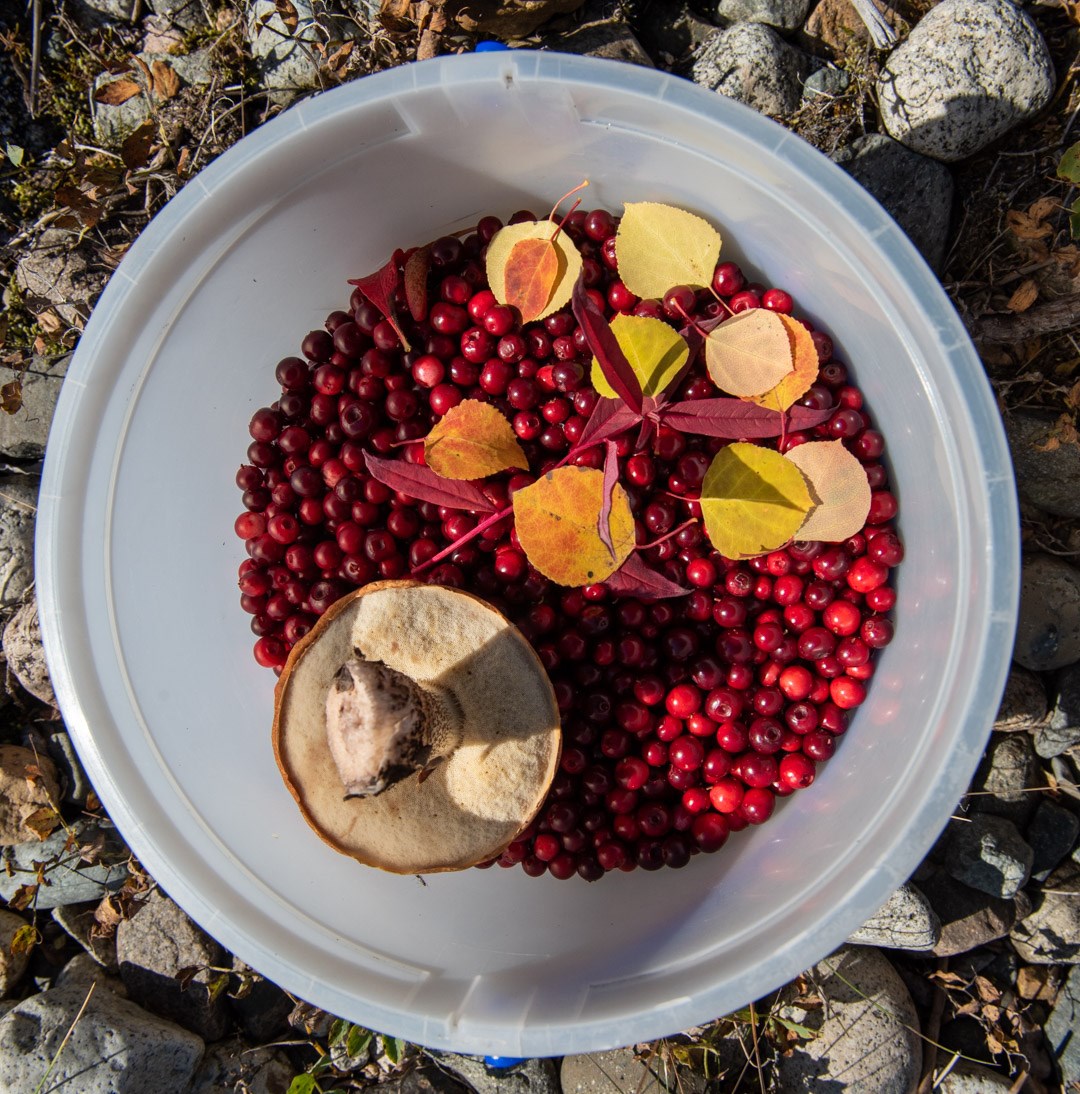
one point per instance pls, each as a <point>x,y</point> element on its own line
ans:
<point>423,484</point>
<point>737,418</point>
<point>611,477</point>
<point>609,417</point>
<point>379,287</point>
<point>417,266</point>
<point>634,578</point>
<point>606,349</point>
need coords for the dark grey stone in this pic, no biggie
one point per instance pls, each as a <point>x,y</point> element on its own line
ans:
<point>905,922</point>
<point>79,922</point>
<point>1006,779</point>
<point>672,30</point>
<point>260,1007</point>
<point>915,191</point>
<point>529,1077</point>
<point>18,512</point>
<point>1023,706</point>
<point>1052,834</point>
<point>989,854</point>
<point>1048,628</point>
<point>53,271</point>
<point>1050,933</point>
<point>825,83</point>
<point>1047,475</point>
<point>1061,730</point>
<point>782,14</point>
<point>1062,1029</point>
<point>969,918</point>
<point>232,1066</point>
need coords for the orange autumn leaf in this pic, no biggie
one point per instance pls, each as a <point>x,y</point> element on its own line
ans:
<point>840,489</point>
<point>804,371</point>
<point>117,92</point>
<point>557,519</point>
<point>505,242</point>
<point>529,276</point>
<point>472,441</point>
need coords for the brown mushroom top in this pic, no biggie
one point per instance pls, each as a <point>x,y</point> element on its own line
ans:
<point>469,807</point>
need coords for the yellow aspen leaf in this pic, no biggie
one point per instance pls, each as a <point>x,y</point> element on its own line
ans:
<point>557,524</point>
<point>840,489</point>
<point>529,275</point>
<point>750,353</point>
<point>805,362</point>
<point>473,440</point>
<point>567,256</point>
<point>660,246</point>
<point>753,500</point>
<point>656,353</point>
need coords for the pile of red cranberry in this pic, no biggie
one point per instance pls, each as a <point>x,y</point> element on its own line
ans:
<point>683,719</point>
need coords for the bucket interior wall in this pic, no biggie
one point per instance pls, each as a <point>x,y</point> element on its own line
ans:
<point>154,665</point>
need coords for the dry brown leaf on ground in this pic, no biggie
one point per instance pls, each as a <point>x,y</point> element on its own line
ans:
<point>164,81</point>
<point>136,149</point>
<point>49,321</point>
<point>1025,226</point>
<point>117,92</point>
<point>1063,432</point>
<point>1025,295</point>
<point>289,15</point>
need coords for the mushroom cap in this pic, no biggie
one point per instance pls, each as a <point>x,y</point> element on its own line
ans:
<point>473,805</point>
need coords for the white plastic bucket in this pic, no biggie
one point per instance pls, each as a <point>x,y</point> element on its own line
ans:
<point>151,655</point>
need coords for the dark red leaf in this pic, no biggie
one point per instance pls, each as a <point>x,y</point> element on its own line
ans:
<point>417,266</point>
<point>634,578</point>
<point>379,287</point>
<point>611,477</point>
<point>737,418</point>
<point>609,417</point>
<point>606,349</point>
<point>423,484</point>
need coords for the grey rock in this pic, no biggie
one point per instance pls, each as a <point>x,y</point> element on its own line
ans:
<point>188,14</point>
<point>231,1066</point>
<point>428,1079</point>
<point>608,38</point>
<point>115,1047</point>
<point>96,10</point>
<point>835,29</point>
<point>12,962</point>
<point>97,865</point>
<point>82,971</point>
<point>287,60</point>
<point>1061,730</point>
<point>865,1032</point>
<point>1048,477</point>
<point>1006,779</point>
<point>1052,834</point>
<point>782,14</point>
<point>989,854</point>
<point>1050,933</point>
<point>1048,628</point>
<point>673,30</point>
<point>969,1078</point>
<point>969,72</point>
<point>825,83</point>
<point>75,786</point>
<point>28,787</point>
<point>157,943</point>
<point>1061,1029</point>
<point>621,1071</point>
<point>530,1077</point>
<point>24,652</point>
<point>1023,706</point>
<point>24,433</point>
<point>752,64</point>
<point>259,1006</point>
<point>18,510</point>
<point>905,922</point>
<point>915,191</point>
<point>53,272</point>
<point>79,922</point>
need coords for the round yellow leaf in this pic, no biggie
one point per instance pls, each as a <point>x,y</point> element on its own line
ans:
<point>502,245</point>
<point>471,441</point>
<point>557,522</point>
<point>750,353</point>
<point>840,487</point>
<point>804,362</point>
<point>656,353</point>
<point>753,500</point>
<point>659,247</point>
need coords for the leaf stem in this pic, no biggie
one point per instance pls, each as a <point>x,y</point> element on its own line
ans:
<point>483,526</point>
<point>665,538</point>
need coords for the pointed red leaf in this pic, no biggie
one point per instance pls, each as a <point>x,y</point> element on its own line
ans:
<point>609,418</point>
<point>606,349</point>
<point>611,477</point>
<point>379,287</point>
<point>423,484</point>
<point>417,266</point>
<point>737,418</point>
<point>635,578</point>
